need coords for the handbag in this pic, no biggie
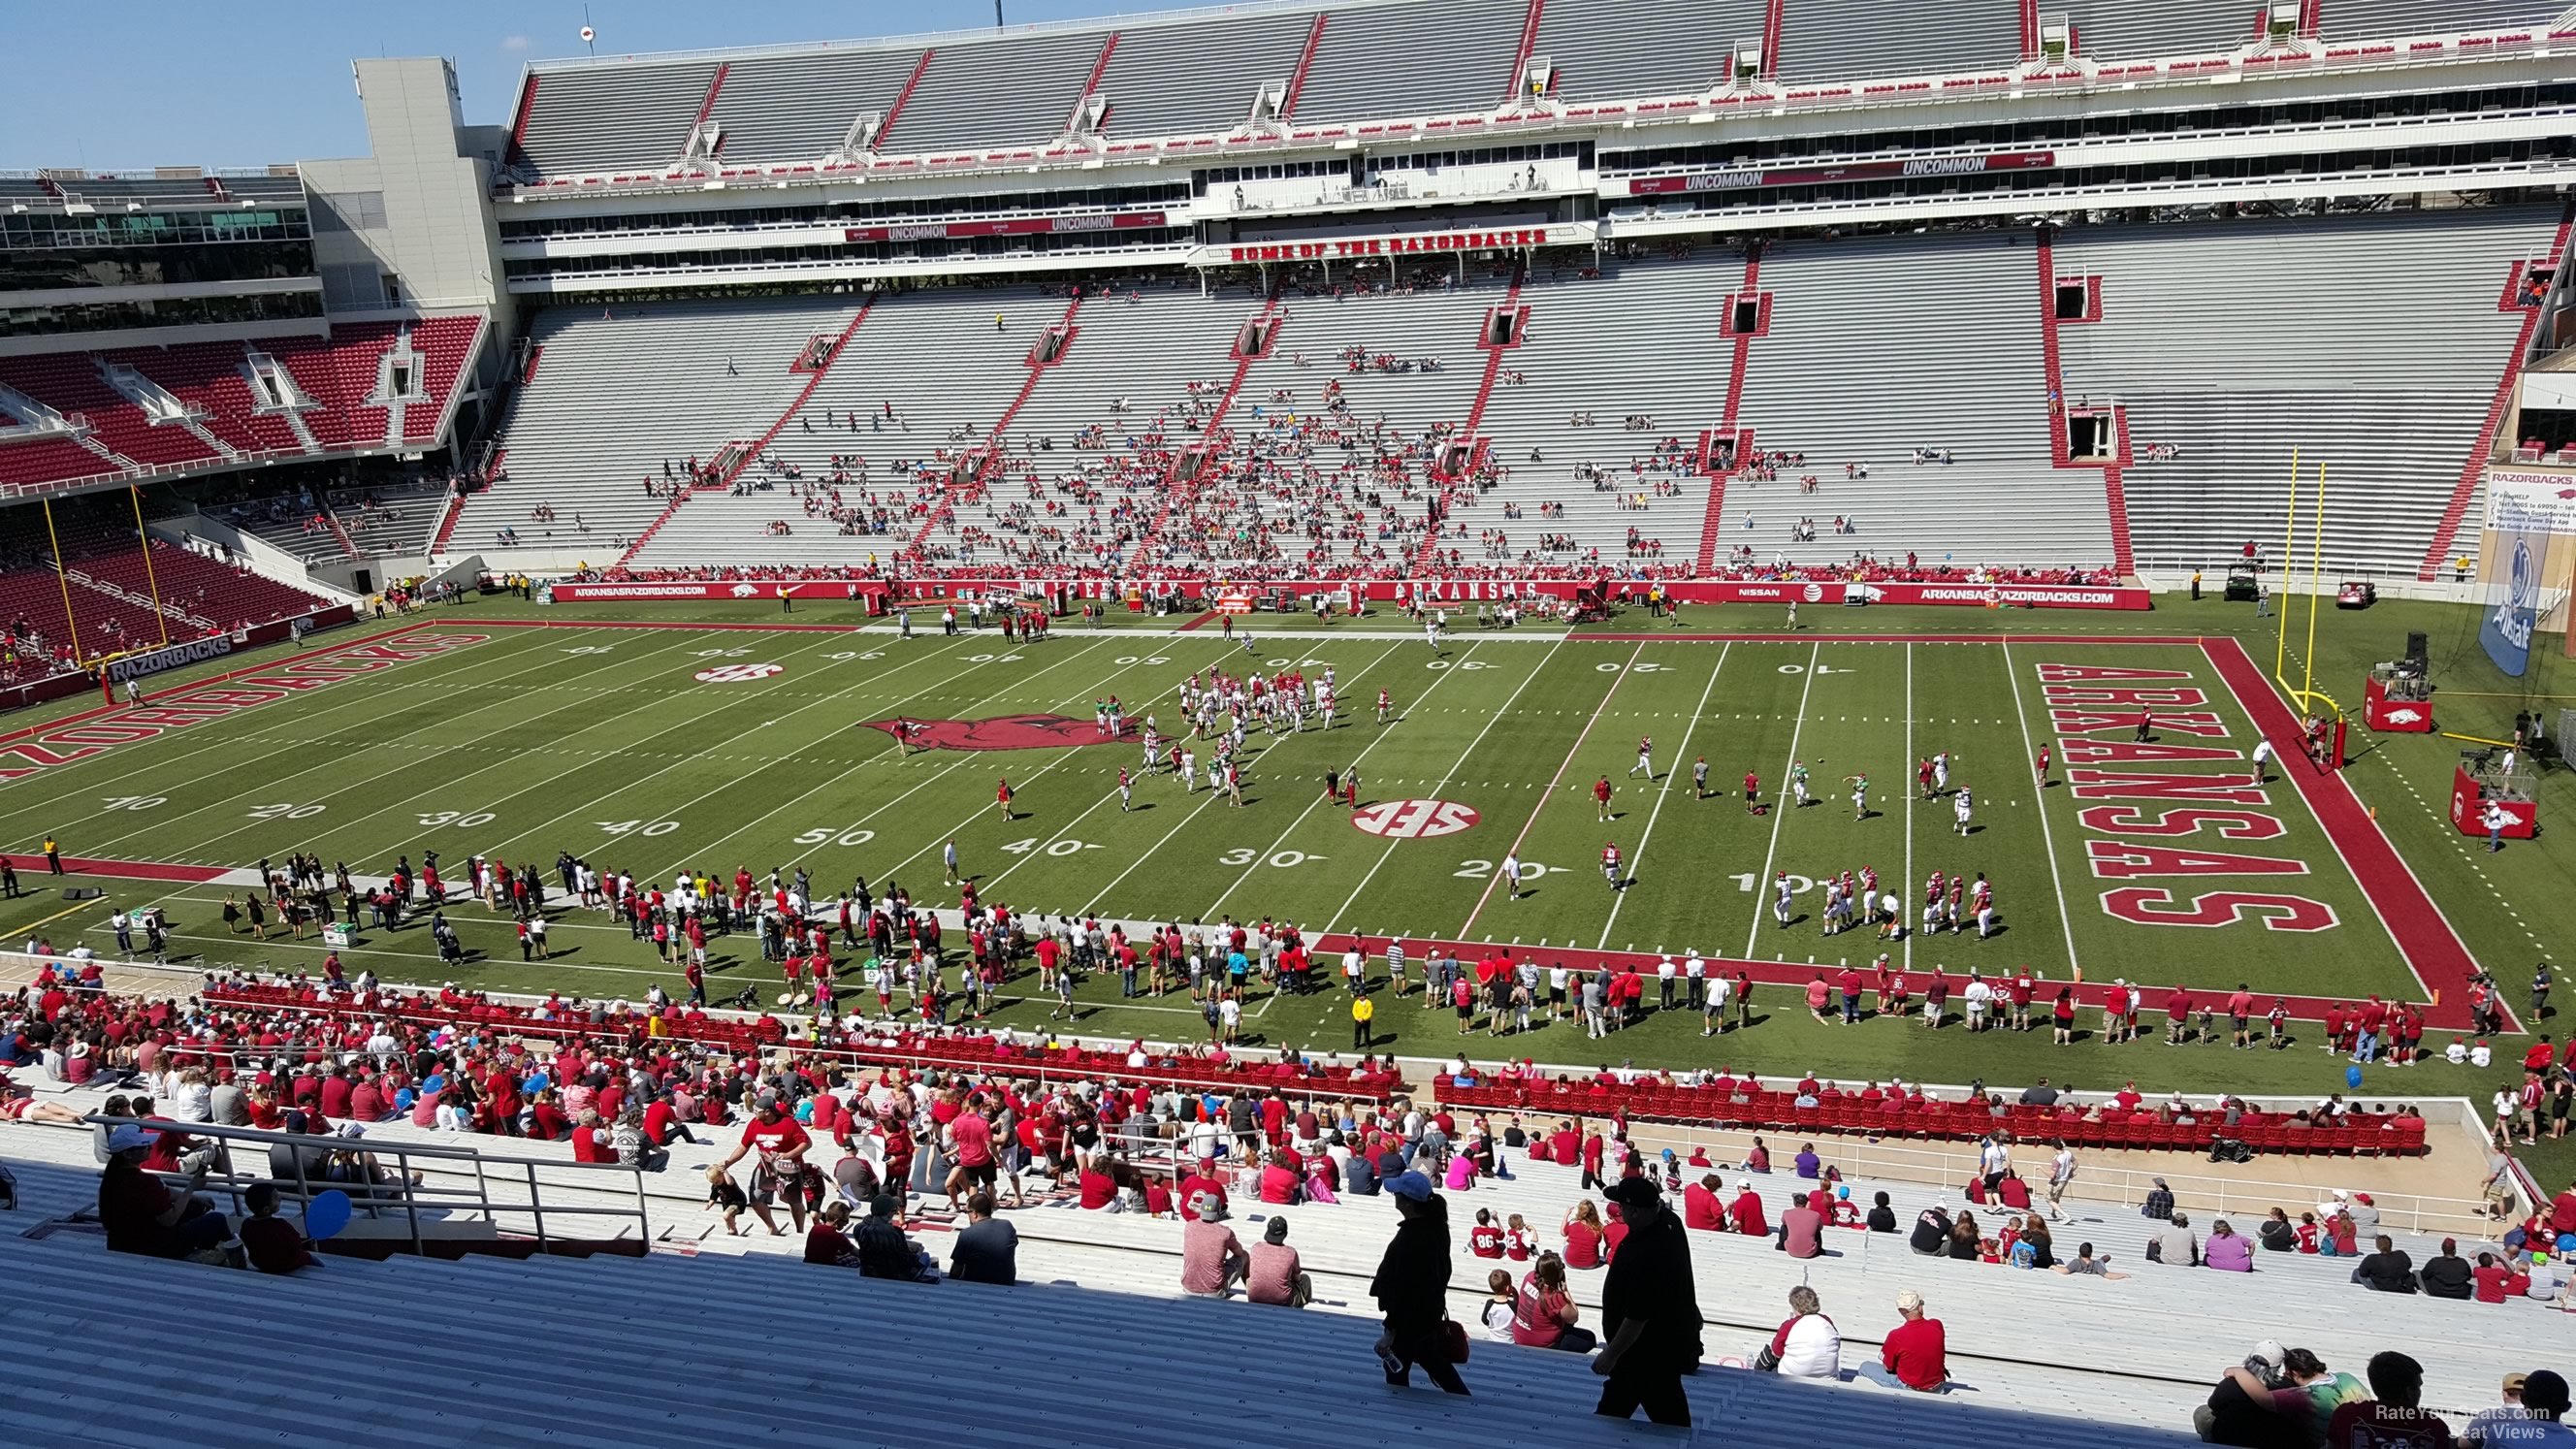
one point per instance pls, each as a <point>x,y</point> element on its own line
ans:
<point>1453,1337</point>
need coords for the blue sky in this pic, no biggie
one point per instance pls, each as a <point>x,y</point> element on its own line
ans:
<point>245,84</point>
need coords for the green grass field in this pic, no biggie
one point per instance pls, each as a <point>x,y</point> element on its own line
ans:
<point>595,736</point>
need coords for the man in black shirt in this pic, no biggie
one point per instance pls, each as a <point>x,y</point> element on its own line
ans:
<point>1649,1311</point>
<point>2386,1271</point>
<point>1931,1236</point>
<point>1882,1218</point>
<point>2448,1275</point>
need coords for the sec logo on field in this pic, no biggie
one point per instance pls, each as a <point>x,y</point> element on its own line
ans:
<point>737,673</point>
<point>1415,819</point>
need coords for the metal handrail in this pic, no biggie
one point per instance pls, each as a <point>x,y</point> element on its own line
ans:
<point>413,1196</point>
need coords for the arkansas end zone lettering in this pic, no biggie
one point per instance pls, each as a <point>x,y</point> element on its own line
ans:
<point>2088,700</point>
<point>67,743</point>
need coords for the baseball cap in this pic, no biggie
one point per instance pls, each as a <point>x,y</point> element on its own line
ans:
<point>1909,1301</point>
<point>2271,1352</point>
<point>1208,1207</point>
<point>1276,1232</point>
<point>1411,1185</point>
<point>128,1138</point>
<point>2514,1383</point>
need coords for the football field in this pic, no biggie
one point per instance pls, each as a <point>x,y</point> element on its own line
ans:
<point>656,745</point>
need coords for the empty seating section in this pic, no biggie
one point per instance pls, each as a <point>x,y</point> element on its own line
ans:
<point>1844,39</point>
<point>2136,29</point>
<point>71,382</point>
<point>388,521</point>
<point>2217,345</point>
<point>1016,92</point>
<point>798,108</point>
<point>1146,371</point>
<point>1340,481</point>
<point>1877,348</point>
<point>2373,19</point>
<point>589,120</point>
<point>1610,349</point>
<point>1613,49</point>
<point>948,374</point>
<point>210,376</point>
<point>50,460</point>
<point>1198,78</point>
<point>1430,58</point>
<point>443,345</point>
<point>291,525</point>
<point>628,390</point>
<point>341,377</point>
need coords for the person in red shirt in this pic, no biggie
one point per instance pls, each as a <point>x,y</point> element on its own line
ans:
<point>2177,1015</point>
<point>781,1165</point>
<point>1601,797</point>
<point>1700,1206</point>
<point>2496,1282</point>
<point>590,1144</point>
<point>1746,1210</point>
<point>1915,1354</point>
<point>1201,1180</point>
<point>1485,1239</point>
<point>1752,793</point>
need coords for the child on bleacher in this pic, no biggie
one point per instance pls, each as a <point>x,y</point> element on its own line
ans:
<point>726,1196</point>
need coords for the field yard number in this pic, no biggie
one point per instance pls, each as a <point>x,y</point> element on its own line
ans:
<point>1244,855</point>
<point>1798,884</point>
<point>722,653</point>
<point>630,827</point>
<point>1461,664</point>
<point>990,658</point>
<point>845,656</point>
<point>1145,659</point>
<point>1479,869</point>
<point>825,837</point>
<point>590,649</point>
<point>284,812</point>
<point>1057,848</point>
<point>136,802</point>
<point>450,817</point>
<point>1820,669</point>
<point>1645,667</point>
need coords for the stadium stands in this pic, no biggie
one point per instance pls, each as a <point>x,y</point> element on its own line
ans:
<point>798,108</point>
<point>2029,1342</point>
<point>612,118</point>
<point>1020,89</point>
<point>2231,375</point>
<point>627,397</point>
<point>336,399</point>
<point>1430,58</point>
<point>2126,29</point>
<point>1613,49</point>
<point>379,521</point>
<point>1877,348</point>
<point>1198,78</point>
<point>1843,39</point>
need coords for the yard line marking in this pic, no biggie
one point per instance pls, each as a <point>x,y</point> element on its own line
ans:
<point>1905,895</point>
<point>211,730</point>
<point>1561,767</point>
<point>1655,814</point>
<point>1313,805</point>
<point>2047,834</point>
<point>771,722</point>
<point>1780,806</point>
<point>963,756</point>
<point>1157,846</point>
<point>1021,788</point>
<point>161,826</point>
<point>984,885</point>
<point>1389,853</point>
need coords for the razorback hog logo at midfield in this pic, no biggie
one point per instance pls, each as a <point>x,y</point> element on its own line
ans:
<point>1003,732</point>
